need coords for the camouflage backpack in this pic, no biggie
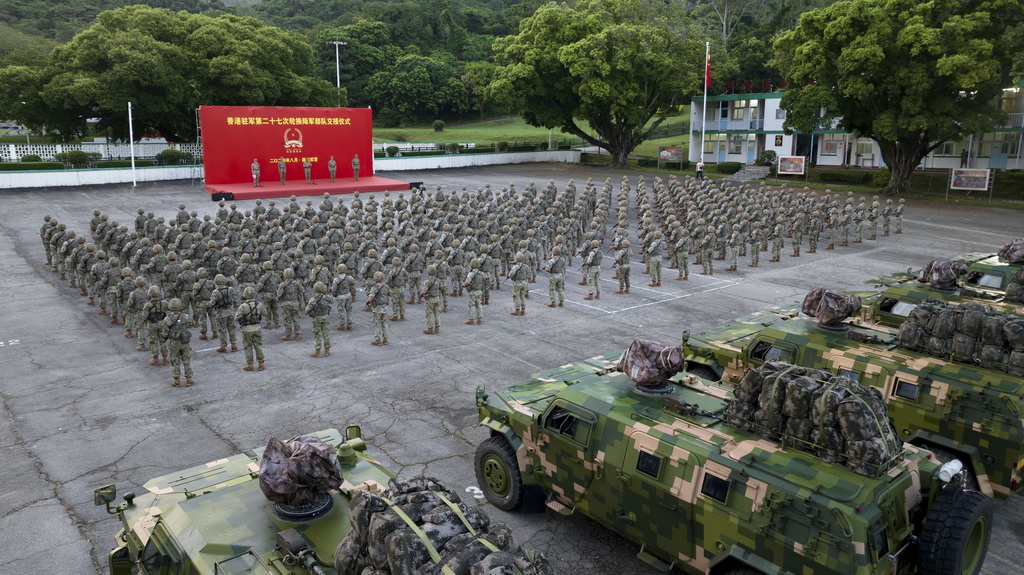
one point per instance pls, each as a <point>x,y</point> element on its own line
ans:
<point>179,329</point>
<point>156,313</point>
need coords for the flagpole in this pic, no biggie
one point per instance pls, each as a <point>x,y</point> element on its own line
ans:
<point>131,142</point>
<point>707,80</point>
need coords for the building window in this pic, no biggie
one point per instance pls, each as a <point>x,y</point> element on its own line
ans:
<point>946,149</point>
<point>736,144</point>
<point>830,144</point>
<point>710,143</point>
<point>739,109</point>
<point>865,148</point>
<point>999,143</point>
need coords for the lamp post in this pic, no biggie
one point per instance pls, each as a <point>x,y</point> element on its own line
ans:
<point>337,64</point>
<point>27,140</point>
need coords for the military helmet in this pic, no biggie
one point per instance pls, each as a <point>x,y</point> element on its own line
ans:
<point>154,291</point>
<point>220,280</point>
<point>90,247</point>
<point>186,265</point>
<point>474,263</point>
<point>556,251</point>
<point>289,273</point>
<point>378,277</point>
<point>342,269</point>
<point>201,273</point>
<point>175,305</point>
<point>249,293</point>
<point>268,266</point>
<point>318,260</point>
<point>126,272</point>
<point>624,243</point>
<point>140,282</point>
<point>101,255</point>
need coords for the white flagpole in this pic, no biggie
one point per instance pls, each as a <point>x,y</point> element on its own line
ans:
<point>704,116</point>
<point>131,141</point>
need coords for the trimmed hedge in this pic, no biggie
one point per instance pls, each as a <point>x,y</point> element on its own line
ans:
<point>480,150</point>
<point>653,163</point>
<point>19,166</point>
<point>123,163</point>
<point>855,177</point>
<point>728,167</point>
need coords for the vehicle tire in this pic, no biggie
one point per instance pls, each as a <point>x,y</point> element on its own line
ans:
<point>956,533</point>
<point>498,473</point>
<point>704,372</point>
<point>381,540</point>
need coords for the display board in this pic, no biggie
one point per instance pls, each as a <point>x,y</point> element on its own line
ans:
<point>791,165</point>
<point>233,136</point>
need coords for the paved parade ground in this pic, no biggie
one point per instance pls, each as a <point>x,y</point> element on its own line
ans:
<point>82,408</point>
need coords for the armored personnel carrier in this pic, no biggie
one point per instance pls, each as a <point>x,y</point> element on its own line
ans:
<point>668,468</point>
<point>305,506</point>
<point>959,407</point>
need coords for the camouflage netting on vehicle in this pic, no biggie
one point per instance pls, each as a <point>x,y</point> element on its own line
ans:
<point>413,528</point>
<point>648,362</point>
<point>941,274</point>
<point>829,307</point>
<point>294,472</point>
<point>1015,290</point>
<point>1013,252</point>
<point>970,332</point>
<point>828,415</point>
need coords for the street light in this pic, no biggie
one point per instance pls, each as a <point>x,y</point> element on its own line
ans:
<point>337,61</point>
<point>27,140</point>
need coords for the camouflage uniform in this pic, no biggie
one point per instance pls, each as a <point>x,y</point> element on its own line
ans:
<point>622,257</point>
<point>396,278</point>
<point>176,325</point>
<point>755,240</point>
<point>136,301</point>
<point>377,301</point>
<point>266,288</point>
<point>248,317</point>
<point>155,312</point>
<point>897,214</point>
<point>555,267</point>
<point>222,304</point>
<point>886,215</point>
<point>292,297</point>
<point>432,289</point>
<point>654,251</point>
<point>344,290</point>
<point>592,265</point>
<point>121,294</point>
<point>476,282</point>
<point>707,257</point>
<point>319,311</point>
<point>201,293</point>
<point>520,274</point>
<point>682,252</point>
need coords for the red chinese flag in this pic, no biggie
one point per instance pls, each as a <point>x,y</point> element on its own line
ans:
<point>707,67</point>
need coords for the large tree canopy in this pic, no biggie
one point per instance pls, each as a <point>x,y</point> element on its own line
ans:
<point>906,73</point>
<point>166,64</point>
<point>613,64</point>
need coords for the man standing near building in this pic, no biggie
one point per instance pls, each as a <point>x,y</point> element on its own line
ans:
<point>355,167</point>
<point>700,169</point>
<point>307,169</point>
<point>332,167</point>
<point>256,173</point>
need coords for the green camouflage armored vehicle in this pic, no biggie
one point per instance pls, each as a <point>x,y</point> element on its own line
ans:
<point>664,467</point>
<point>264,512</point>
<point>967,410</point>
<point>892,306</point>
<point>990,275</point>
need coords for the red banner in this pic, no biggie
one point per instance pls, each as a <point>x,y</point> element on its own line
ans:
<point>234,135</point>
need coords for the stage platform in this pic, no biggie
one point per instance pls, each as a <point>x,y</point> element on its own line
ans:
<point>245,191</point>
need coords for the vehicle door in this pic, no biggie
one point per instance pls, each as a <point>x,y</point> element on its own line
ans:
<point>565,441</point>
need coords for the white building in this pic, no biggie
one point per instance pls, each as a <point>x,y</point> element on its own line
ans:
<point>741,126</point>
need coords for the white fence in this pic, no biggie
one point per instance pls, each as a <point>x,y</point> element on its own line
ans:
<point>107,151</point>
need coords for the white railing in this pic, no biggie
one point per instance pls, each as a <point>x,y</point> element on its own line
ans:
<point>111,151</point>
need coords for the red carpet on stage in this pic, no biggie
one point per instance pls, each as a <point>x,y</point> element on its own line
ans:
<point>245,191</point>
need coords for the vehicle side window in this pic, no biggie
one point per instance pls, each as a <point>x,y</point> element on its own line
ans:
<point>851,375</point>
<point>766,351</point>
<point>648,464</point>
<point>152,558</point>
<point>983,279</point>
<point>568,424</point>
<point>715,488</point>
<point>907,390</point>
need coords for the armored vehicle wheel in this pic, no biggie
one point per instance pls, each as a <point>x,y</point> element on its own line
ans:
<point>704,372</point>
<point>956,533</point>
<point>498,473</point>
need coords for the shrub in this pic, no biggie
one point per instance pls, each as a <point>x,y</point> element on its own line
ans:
<point>855,177</point>
<point>438,125</point>
<point>502,146</point>
<point>392,151</point>
<point>400,137</point>
<point>31,158</point>
<point>453,148</point>
<point>728,167</point>
<point>767,158</point>
<point>75,158</point>
<point>169,157</point>
<point>124,163</point>
<point>19,166</point>
<point>647,162</point>
<point>881,176</point>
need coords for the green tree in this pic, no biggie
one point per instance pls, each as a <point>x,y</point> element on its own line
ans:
<point>908,74</point>
<point>476,76</point>
<point>618,65</point>
<point>416,88</point>
<point>166,64</point>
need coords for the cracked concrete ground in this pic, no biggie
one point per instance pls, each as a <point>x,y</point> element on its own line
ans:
<point>82,408</point>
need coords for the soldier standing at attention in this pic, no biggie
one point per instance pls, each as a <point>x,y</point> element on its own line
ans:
<point>592,264</point>
<point>248,317</point>
<point>886,214</point>
<point>266,287</point>
<point>654,259</point>
<point>332,167</point>
<point>319,310</point>
<point>432,289</point>
<point>292,297</point>
<point>377,302</point>
<point>520,274</point>
<point>682,252</point>
<point>396,279</point>
<point>555,267</point>
<point>121,293</point>
<point>136,301</point>
<point>442,271</point>
<point>154,312</point>
<point>281,169</point>
<point>307,169</point>
<point>344,289</point>
<point>256,173</point>
<point>355,167</point>
<point>177,324</point>
<point>873,218</point>
<point>796,230</point>
<point>755,241</point>
<point>476,281</point>
<point>813,232</point>
<point>222,304</point>
<point>622,257</point>
<point>734,248</point>
<point>707,256</point>
<point>898,215</point>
